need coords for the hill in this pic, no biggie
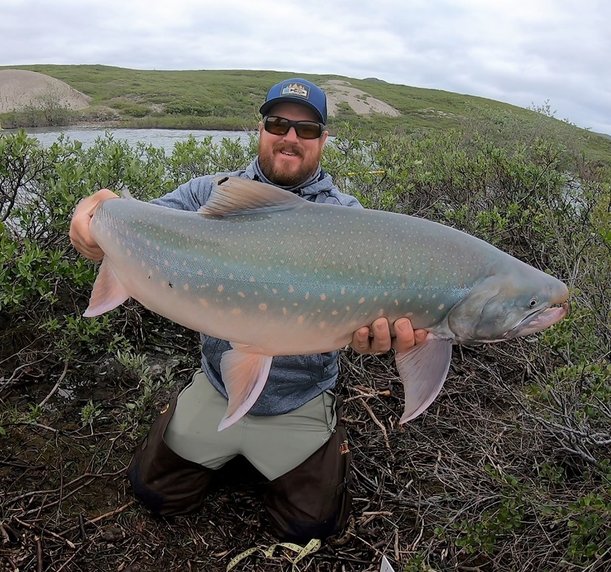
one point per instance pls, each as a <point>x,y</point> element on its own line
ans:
<point>229,99</point>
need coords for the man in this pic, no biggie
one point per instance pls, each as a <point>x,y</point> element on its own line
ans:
<point>293,434</point>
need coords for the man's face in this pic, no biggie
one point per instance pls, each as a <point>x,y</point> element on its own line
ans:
<point>288,159</point>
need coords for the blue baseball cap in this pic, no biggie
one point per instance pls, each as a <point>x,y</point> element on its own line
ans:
<point>297,90</point>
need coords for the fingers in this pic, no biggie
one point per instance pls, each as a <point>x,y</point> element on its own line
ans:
<point>404,335</point>
<point>80,234</point>
<point>378,338</point>
<point>373,340</point>
<point>360,341</point>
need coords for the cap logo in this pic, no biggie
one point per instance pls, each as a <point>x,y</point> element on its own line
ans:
<point>296,89</point>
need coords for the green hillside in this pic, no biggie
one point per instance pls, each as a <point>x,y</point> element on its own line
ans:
<point>229,99</point>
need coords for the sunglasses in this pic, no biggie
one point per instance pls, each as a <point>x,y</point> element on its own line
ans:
<point>304,129</point>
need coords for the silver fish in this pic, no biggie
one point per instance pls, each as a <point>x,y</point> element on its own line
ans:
<point>278,275</point>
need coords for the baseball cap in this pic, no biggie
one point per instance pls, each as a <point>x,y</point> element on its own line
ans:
<point>297,90</point>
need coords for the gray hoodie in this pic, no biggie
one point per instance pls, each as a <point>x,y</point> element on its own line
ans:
<point>293,380</point>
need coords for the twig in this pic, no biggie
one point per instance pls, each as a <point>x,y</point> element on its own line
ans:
<point>55,387</point>
<point>98,518</point>
<point>380,425</point>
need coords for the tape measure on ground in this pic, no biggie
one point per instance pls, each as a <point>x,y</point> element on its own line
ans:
<point>268,552</point>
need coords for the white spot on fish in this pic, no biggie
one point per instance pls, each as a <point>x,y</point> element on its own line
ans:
<point>241,295</point>
<point>291,289</point>
<point>186,287</point>
<point>441,306</point>
<point>263,307</point>
<point>323,297</point>
<point>361,300</point>
<point>220,288</point>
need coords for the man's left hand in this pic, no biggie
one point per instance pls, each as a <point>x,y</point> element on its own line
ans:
<point>379,338</point>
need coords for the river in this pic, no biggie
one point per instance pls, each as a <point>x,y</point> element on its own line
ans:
<point>164,138</point>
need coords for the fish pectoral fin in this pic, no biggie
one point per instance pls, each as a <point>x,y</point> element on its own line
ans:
<point>107,293</point>
<point>236,196</point>
<point>244,375</point>
<point>423,370</point>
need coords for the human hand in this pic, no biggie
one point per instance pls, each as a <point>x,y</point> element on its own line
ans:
<point>80,235</point>
<point>378,338</point>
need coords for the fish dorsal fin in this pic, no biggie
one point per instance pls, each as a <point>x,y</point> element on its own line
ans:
<point>233,196</point>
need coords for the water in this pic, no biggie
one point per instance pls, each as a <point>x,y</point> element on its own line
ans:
<point>163,138</point>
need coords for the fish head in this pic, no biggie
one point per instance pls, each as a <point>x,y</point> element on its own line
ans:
<point>507,306</point>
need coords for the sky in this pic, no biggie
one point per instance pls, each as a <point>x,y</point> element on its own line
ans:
<point>553,54</point>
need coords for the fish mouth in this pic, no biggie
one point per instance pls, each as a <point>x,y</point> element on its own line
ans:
<point>539,320</point>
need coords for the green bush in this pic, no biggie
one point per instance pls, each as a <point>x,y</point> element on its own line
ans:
<point>525,484</point>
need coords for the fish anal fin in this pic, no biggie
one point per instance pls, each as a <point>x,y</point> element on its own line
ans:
<point>423,370</point>
<point>107,293</point>
<point>233,196</point>
<point>244,375</point>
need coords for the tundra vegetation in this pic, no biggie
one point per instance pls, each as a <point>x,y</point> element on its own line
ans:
<point>509,469</point>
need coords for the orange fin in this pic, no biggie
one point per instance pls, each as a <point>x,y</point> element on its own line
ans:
<point>244,375</point>
<point>107,293</point>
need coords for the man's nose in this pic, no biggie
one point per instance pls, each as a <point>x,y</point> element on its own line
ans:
<point>291,134</point>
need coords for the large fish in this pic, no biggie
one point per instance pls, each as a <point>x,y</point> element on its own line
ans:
<point>278,275</point>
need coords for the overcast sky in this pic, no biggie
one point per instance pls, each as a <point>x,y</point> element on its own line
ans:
<point>525,52</point>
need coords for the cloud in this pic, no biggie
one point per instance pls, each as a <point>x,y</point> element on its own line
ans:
<point>520,53</point>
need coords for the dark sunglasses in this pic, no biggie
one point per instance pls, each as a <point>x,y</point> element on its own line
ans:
<point>304,129</point>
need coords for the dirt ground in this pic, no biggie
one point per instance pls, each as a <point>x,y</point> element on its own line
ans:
<point>22,88</point>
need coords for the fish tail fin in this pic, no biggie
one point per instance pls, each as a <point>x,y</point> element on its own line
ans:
<point>107,293</point>
<point>244,375</point>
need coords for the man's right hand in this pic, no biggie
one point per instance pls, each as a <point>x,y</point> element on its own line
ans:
<point>80,235</point>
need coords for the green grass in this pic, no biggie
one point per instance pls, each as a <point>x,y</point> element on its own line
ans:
<point>230,99</point>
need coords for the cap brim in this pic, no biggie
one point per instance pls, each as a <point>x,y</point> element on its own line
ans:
<point>265,108</point>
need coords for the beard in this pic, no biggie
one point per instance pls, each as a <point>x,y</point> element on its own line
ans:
<point>283,175</point>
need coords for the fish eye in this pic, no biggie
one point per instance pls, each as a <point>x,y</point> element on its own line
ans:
<point>533,302</point>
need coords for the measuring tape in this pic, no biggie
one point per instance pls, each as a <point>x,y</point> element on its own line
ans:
<point>268,552</point>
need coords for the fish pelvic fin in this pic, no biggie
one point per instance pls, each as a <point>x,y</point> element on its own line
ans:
<point>107,293</point>
<point>423,370</point>
<point>233,196</point>
<point>244,375</point>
